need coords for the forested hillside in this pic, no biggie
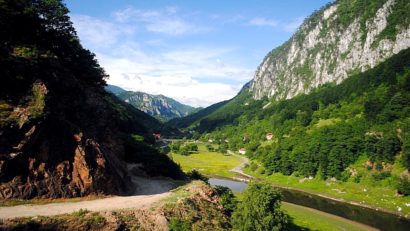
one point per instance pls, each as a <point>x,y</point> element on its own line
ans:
<point>61,134</point>
<point>324,132</point>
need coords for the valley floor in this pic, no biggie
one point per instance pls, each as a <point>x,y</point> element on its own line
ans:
<point>206,162</point>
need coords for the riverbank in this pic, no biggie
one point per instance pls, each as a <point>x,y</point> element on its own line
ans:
<point>212,164</point>
<point>379,199</point>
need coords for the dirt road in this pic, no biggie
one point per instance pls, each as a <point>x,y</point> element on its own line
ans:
<point>238,169</point>
<point>149,191</point>
<point>106,204</point>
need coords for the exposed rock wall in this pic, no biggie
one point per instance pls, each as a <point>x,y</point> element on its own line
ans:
<point>50,157</point>
<point>325,50</point>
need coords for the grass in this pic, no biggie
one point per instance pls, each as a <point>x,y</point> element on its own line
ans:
<point>304,218</point>
<point>379,194</point>
<point>208,163</point>
<point>382,195</point>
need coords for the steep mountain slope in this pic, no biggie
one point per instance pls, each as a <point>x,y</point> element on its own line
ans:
<point>193,119</point>
<point>158,106</point>
<point>114,89</point>
<point>61,134</point>
<point>337,41</point>
<point>340,39</point>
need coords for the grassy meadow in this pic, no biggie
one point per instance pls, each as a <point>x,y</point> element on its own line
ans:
<point>208,163</point>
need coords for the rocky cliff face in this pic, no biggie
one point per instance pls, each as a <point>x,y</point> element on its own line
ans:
<point>341,39</point>
<point>158,106</point>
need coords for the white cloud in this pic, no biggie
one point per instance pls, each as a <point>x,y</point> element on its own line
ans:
<point>97,33</point>
<point>165,21</point>
<point>192,77</point>
<point>263,22</point>
<point>290,26</point>
<point>197,75</point>
<point>183,89</point>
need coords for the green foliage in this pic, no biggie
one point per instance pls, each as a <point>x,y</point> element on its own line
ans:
<point>322,133</point>
<point>210,148</point>
<point>176,224</point>
<point>398,18</point>
<point>348,11</point>
<point>80,213</point>
<point>406,143</point>
<point>260,209</point>
<point>380,175</point>
<point>227,199</point>
<point>155,163</point>
<point>195,175</point>
<point>403,186</point>
<point>382,148</point>
<point>222,148</point>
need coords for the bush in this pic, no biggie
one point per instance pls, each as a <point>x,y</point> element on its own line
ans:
<point>253,166</point>
<point>195,175</point>
<point>381,175</point>
<point>357,178</point>
<point>210,148</point>
<point>228,200</point>
<point>260,209</point>
<point>403,186</point>
<point>176,224</point>
<point>261,170</point>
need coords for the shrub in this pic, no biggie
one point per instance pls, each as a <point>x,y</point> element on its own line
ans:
<point>381,175</point>
<point>260,209</point>
<point>403,186</point>
<point>210,148</point>
<point>228,200</point>
<point>253,166</point>
<point>195,175</point>
<point>176,224</point>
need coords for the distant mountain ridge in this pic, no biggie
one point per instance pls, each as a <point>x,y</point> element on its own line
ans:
<point>158,106</point>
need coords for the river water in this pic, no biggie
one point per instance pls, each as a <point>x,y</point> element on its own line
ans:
<point>371,217</point>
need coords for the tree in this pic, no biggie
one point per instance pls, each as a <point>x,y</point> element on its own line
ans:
<point>260,209</point>
<point>223,148</point>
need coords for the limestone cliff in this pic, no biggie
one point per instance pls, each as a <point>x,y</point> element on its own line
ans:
<point>342,38</point>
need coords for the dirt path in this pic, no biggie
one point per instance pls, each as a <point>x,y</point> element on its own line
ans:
<point>149,190</point>
<point>106,204</point>
<point>238,169</point>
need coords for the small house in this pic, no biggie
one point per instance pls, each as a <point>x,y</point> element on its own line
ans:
<point>269,136</point>
<point>242,151</point>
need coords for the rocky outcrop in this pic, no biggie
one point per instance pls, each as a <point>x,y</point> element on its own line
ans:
<point>333,44</point>
<point>42,157</point>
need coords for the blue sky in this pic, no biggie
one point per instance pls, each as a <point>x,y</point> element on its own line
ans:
<point>197,52</point>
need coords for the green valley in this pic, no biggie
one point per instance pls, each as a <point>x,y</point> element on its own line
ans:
<point>282,122</point>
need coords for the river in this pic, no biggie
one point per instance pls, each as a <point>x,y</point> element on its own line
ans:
<point>378,219</point>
